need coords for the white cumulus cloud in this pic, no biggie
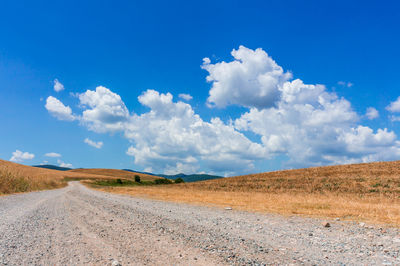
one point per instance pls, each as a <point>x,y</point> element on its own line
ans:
<point>171,137</point>
<point>394,107</point>
<point>57,109</point>
<point>92,143</point>
<point>19,156</point>
<point>105,111</point>
<point>372,113</point>
<point>52,154</point>
<point>58,86</point>
<point>312,126</point>
<point>305,123</point>
<point>252,79</point>
<point>185,96</point>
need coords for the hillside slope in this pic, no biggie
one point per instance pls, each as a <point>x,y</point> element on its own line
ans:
<point>16,177</point>
<point>53,167</point>
<point>369,192</point>
<point>115,173</point>
<point>377,177</point>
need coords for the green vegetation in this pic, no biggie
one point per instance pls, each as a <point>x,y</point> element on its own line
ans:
<point>137,178</point>
<point>129,183</point>
<point>114,182</point>
<point>162,181</point>
<point>179,180</point>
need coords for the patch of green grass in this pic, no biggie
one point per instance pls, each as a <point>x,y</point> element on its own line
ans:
<point>162,181</point>
<point>128,183</point>
<point>120,183</point>
<point>115,182</point>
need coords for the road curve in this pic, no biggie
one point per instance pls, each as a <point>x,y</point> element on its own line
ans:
<point>79,226</point>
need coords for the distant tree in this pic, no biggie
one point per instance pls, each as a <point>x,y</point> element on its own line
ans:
<point>119,181</point>
<point>137,178</point>
<point>179,180</point>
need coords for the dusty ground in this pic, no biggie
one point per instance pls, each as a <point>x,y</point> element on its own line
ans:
<point>77,225</point>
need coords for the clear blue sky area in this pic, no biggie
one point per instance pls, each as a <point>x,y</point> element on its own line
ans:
<point>130,47</point>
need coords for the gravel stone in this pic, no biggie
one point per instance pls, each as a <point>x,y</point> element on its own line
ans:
<point>71,226</point>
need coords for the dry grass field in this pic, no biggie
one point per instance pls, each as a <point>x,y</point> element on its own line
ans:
<point>363,192</point>
<point>114,173</point>
<point>21,178</point>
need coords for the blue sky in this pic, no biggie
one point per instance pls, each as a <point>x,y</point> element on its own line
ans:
<point>250,116</point>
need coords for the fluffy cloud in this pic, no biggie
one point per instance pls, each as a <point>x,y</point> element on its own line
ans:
<point>19,156</point>
<point>57,109</point>
<point>62,164</point>
<point>372,113</point>
<point>58,86</point>
<point>172,138</point>
<point>305,123</point>
<point>185,96</point>
<point>253,79</point>
<point>105,111</point>
<point>313,127</point>
<point>394,107</point>
<point>52,154</point>
<point>92,143</point>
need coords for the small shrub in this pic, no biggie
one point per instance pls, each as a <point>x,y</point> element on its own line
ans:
<point>137,178</point>
<point>162,181</point>
<point>119,181</point>
<point>179,180</point>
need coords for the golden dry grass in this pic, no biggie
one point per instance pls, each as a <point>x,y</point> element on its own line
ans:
<point>21,178</point>
<point>115,173</point>
<point>367,192</point>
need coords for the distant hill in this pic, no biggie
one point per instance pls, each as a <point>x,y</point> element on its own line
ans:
<point>120,173</point>
<point>116,173</point>
<point>186,178</point>
<point>53,167</point>
<point>16,177</point>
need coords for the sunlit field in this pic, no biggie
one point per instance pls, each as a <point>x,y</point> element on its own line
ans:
<point>362,192</point>
<point>20,178</point>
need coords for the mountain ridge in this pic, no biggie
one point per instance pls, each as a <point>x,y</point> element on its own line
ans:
<point>185,177</point>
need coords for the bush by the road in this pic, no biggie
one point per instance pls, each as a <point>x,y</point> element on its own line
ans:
<point>179,180</point>
<point>137,178</point>
<point>162,181</point>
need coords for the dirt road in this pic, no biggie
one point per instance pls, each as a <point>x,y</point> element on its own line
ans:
<point>79,226</point>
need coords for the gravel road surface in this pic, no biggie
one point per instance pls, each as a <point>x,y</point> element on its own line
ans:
<point>79,226</point>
